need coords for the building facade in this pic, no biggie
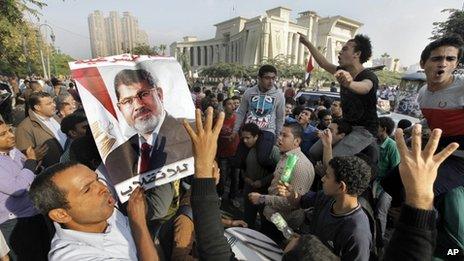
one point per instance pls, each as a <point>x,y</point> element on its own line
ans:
<point>98,40</point>
<point>270,36</point>
<point>114,35</point>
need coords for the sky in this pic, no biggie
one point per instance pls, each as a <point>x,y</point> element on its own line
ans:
<point>399,28</point>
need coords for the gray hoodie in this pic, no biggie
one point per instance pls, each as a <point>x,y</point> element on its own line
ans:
<point>265,109</point>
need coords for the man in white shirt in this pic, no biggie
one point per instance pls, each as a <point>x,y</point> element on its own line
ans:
<point>41,128</point>
<point>88,227</point>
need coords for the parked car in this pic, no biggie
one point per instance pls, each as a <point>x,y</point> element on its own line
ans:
<point>313,96</point>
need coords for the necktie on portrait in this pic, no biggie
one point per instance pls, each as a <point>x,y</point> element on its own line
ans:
<point>145,157</point>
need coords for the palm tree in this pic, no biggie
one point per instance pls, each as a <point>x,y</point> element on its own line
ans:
<point>162,49</point>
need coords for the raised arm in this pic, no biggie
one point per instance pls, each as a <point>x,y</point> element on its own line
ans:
<point>320,59</point>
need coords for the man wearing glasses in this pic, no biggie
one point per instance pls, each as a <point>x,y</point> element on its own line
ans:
<point>160,138</point>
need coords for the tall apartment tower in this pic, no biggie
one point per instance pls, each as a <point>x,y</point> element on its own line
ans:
<point>98,40</point>
<point>129,28</point>
<point>113,33</point>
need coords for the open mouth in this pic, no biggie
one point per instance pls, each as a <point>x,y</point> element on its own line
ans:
<point>440,72</point>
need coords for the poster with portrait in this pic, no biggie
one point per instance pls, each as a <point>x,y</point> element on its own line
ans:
<point>135,106</point>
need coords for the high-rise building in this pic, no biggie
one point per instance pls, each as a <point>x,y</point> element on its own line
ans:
<point>249,41</point>
<point>129,25</point>
<point>114,34</point>
<point>98,40</point>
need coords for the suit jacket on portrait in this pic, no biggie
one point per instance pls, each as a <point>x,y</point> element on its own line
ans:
<point>172,144</point>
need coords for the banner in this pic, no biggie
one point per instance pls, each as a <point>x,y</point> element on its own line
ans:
<point>135,106</point>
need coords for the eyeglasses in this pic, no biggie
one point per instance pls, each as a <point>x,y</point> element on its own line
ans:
<point>140,95</point>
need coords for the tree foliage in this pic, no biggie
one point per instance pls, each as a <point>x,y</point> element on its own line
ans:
<point>21,41</point>
<point>389,78</point>
<point>453,25</point>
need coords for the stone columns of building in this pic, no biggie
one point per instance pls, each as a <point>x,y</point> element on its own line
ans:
<point>295,48</point>
<point>195,56</point>
<point>301,49</point>
<point>191,53</point>
<point>210,56</point>
<point>265,41</point>
<point>289,46</point>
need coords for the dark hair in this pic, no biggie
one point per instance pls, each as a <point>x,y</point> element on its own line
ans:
<point>297,110</point>
<point>236,98</point>
<point>45,194</point>
<point>353,171</point>
<point>252,128</point>
<point>220,96</point>
<point>84,150</point>
<point>290,100</point>
<point>296,129</point>
<point>310,248</point>
<point>59,100</point>
<point>301,100</point>
<point>224,102</point>
<point>322,113</point>
<point>69,122</point>
<point>363,45</point>
<point>388,124</point>
<point>35,97</point>
<point>55,81</point>
<point>404,124</point>
<point>196,89</point>
<point>267,68</point>
<point>343,126</point>
<point>449,40</point>
<point>128,77</point>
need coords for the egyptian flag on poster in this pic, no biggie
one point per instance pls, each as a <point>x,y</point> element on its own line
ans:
<point>309,69</point>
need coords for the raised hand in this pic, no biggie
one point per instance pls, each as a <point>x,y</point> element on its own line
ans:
<point>204,141</point>
<point>137,207</point>
<point>326,137</point>
<point>418,169</point>
<point>286,190</point>
<point>344,78</point>
<point>30,154</point>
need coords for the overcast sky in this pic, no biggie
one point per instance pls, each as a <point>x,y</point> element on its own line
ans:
<point>400,28</point>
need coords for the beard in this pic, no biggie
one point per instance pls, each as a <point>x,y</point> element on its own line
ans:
<point>147,125</point>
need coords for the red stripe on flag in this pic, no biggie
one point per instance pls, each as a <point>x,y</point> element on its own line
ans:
<point>91,80</point>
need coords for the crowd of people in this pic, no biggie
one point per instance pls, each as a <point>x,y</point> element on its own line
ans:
<point>349,185</point>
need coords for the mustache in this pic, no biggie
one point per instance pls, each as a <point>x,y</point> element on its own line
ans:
<point>141,111</point>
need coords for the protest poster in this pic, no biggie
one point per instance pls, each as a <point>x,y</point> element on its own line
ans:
<point>135,106</point>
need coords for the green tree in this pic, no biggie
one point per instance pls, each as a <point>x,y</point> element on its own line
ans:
<point>18,38</point>
<point>453,25</point>
<point>144,50</point>
<point>388,77</point>
<point>162,49</point>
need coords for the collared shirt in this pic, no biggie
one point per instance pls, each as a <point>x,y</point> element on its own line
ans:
<point>389,158</point>
<point>14,185</point>
<point>54,127</point>
<point>116,243</point>
<point>302,179</point>
<point>152,139</point>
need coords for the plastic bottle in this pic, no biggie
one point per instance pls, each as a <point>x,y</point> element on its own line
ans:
<point>288,170</point>
<point>282,225</point>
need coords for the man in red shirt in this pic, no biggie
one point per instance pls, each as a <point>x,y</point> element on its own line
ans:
<point>227,146</point>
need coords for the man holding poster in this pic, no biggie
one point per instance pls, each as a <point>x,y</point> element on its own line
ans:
<point>160,138</point>
<point>135,105</point>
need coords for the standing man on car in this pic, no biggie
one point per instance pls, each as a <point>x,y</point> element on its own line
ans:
<point>358,93</point>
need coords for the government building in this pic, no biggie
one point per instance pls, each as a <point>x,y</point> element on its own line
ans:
<point>249,41</point>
